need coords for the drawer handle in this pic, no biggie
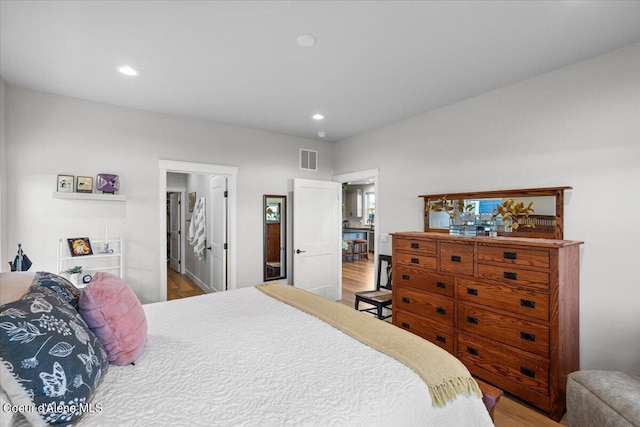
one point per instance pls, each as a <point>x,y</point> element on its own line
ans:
<point>527,303</point>
<point>441,339</point>
<point>405,300</point>
<point>415,245</point>
<point>405,277</point>
<point>441,285</point>
<point>415,261</point>
<point>471,319</point>
<point>527,336</point>
<point>473,351</point>
<point>510,255</point>
<point>472,291</point>
<point>456,258</point>
<point>441,310</point>
<point>510,275</point>
<point>528,372</point>
<point>406,325</point>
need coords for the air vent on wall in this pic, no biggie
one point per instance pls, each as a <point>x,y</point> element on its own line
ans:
<point>308,159</point>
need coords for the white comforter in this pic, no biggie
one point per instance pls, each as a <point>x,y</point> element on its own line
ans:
<point>242,358</point>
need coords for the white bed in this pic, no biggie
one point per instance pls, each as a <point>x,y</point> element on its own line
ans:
<point>245,358</point>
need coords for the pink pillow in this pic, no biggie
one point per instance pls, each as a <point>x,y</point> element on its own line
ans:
<point>112,311</point>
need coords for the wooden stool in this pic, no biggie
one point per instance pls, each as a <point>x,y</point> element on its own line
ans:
<point>346,253</point>
<point>360,248</point>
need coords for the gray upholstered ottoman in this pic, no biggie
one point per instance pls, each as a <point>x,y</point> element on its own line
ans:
<point>603,399</point>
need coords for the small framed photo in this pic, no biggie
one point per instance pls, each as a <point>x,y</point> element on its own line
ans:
<point>65,183</point>
<point>79,246</point>
<point>84,184</point>
<point>192,201</point>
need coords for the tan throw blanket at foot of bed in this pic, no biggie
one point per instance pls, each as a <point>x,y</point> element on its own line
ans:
<point>445,375</point>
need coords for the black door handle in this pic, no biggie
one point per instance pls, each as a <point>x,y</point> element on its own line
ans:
<point>298,251</point>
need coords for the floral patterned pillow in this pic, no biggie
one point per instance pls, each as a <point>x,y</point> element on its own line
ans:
<point>50,360</point>
<point>59,285</point>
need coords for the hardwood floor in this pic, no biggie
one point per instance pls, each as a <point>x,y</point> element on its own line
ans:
<point>180,286</point>
<point>359,276</point>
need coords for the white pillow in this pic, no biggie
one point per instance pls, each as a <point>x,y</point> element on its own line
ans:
<point>14,285</point>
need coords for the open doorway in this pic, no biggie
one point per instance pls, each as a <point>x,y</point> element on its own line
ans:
<point>197,189</point>
<point>359,223</point>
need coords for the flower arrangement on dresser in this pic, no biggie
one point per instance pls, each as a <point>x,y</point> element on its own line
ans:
<point>453,208</point>
<point>515,215</point>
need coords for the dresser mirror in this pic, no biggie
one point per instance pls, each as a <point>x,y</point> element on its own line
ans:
<point>274,212</point>
<point>545,220</point>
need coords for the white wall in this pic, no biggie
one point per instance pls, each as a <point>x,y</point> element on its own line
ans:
<point>577,126</point>
<point>51,134</point>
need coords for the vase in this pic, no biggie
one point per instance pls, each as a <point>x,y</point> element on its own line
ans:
<point>508,226</point>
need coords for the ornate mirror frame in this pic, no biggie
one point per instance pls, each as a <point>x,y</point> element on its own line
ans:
<point>549,227</point>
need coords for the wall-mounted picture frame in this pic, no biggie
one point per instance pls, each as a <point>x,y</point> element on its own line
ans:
<point>65,183</point>
<point>79,246</point>
<point>192,201</point>
<point>84,184</point>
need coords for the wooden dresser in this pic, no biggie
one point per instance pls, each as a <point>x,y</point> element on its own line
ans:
<point>508,308</point>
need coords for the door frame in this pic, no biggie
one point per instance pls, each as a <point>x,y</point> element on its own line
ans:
<point>358,176</point>
<point>183,196</point>
<point>167,166</point>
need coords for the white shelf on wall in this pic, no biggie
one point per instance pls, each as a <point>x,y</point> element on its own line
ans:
<point>90,196</point>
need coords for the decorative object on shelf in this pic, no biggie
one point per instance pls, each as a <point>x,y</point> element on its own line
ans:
<point>106,249</point>
<point>65,183</point>
<point>108,183</point>
<point>79,246</point>
<point>515,215</point>
<point>72,274</point>
<point>21,262</point>
<point>192,201</point>
<point>84,184</point>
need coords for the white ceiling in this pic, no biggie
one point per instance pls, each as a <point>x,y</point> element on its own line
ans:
<point>237,62</point>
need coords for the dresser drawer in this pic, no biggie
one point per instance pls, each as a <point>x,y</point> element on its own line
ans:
<point>416,260</point>
<point>530,372</point>
<point>515,276</point>
<point>522,334</point>
<point>422,280</point>
<point>514,256</point>
<point>439,334</point>
<point>437,308</point>
<point>424,247</point>
<point>456,258</point>
<point>505,297</point>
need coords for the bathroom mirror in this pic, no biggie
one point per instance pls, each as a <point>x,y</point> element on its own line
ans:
<point>274,214</point>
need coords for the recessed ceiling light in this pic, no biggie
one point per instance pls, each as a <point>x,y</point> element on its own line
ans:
<point>318,117</point>
<point>306,40</point>
<point>322,134</point>
<point>127,71</point>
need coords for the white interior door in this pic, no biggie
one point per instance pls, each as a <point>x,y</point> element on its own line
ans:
<point>174,231</point>
<point>217,239</point>
<point>316,237</point>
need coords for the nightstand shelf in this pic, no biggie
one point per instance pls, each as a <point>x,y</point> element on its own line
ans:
<point>108,262</point>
